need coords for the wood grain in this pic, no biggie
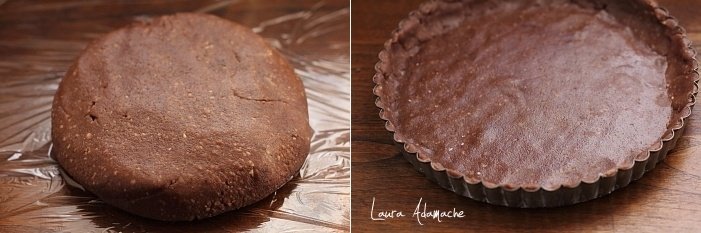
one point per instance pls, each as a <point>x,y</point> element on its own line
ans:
<point>666,199</point>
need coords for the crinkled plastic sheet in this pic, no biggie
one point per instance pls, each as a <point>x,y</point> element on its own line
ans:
<point>39,40</point>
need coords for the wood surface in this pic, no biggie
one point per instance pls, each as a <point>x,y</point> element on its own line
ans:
<point>667,199</point>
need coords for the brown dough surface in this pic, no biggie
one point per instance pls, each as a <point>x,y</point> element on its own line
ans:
<point>183,117</point>
<point>520,94</point>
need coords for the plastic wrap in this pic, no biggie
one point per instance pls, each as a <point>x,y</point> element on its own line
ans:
<point>39,40</point>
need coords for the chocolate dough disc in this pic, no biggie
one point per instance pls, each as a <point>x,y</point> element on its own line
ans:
<point>180,118</point>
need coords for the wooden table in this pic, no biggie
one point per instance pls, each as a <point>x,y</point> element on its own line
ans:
<point>668,199</point>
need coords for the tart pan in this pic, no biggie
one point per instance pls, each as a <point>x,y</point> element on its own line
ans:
<point>411,33</point>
